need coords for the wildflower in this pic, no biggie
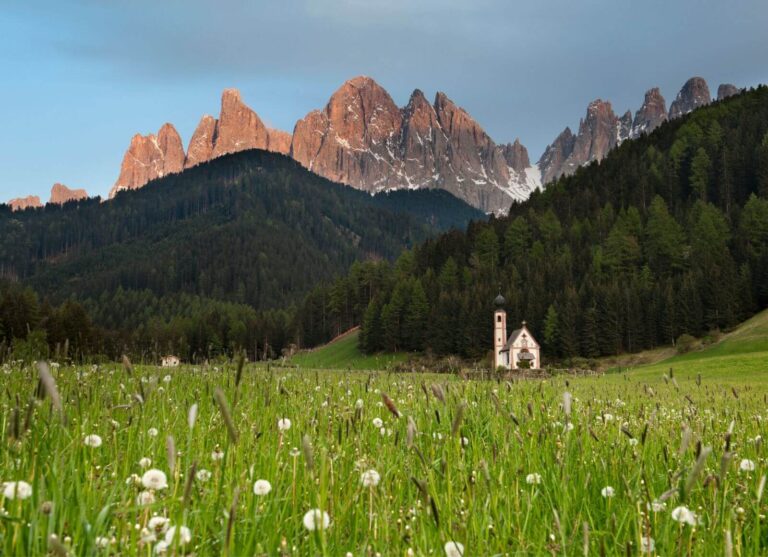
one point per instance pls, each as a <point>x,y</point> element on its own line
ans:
<point>370,478</point>
<point>101,542</point>
<point>657,506</point>
<point>167,379</point>
<point>633,442</point>
<point>464,442</point>
<point>154,479</point>
<point>184,537</point>
<point>93,441</point>
<point>145,462</point>
<point>359,404</point>
<point>747,465</point>
<point>158,524</point>
<point>607,491</point>
<point>203,475</point>
<point>146,536</point>
<point>161,548</point>
<point>316,519</point>
<point>145,498</point>
<point>378,423</point>
<point>647,544</point>
<point>684,515</point>
<point>217,454</point>
<point>533,479</point>
<point>454,549</point>
<point>152,432</point>
<point>133,479</point>
<point>17,490</point>
<point>262,487</point>
<point>283,424</point>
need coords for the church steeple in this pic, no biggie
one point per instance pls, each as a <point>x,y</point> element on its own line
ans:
<point>499,331</point>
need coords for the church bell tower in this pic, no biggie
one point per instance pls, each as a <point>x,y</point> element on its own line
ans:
<point>499,331</point>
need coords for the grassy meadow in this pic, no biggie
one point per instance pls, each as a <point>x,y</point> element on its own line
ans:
<point>627,463</point>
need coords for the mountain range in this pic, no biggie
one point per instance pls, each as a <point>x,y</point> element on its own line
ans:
<point>361,138</point>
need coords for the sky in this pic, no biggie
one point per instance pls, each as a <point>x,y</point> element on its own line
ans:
<point>79,78</point>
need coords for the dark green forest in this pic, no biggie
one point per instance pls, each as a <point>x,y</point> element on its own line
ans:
<point>200,263</point>
<point>668,235</point>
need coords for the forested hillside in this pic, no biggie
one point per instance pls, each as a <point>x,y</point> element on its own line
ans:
<point>667,235</point>
<point>204,260</point>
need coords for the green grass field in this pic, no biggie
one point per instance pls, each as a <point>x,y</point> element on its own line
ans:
<point>626,463</point>
<point>344,354</point>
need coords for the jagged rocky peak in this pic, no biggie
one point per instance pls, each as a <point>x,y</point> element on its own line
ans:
<point>651,115</point>
<point>149,157</point>
<point>599,132</point>
<point>552,160</point>
<point>60,194</point>
<point>695,93</point>
<point>361,138</point>
<point>353,140</point>
<point>726,90</point>
<point>516,155</point>
<point>201,144</point>
<point>21,203</point>
<point>239,127</point>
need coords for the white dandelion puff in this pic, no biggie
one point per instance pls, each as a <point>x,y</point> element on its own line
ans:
<point>184,535</point>
<point>684,515</point>
<point>316,519</point>
<point>154,479</point>
<point>747,465</point>
<point>145,462</point>
<point>93,441</point>
<point>370,478</point>
<point>17,490</point>
<point>378,423</point>
<point>454,549</point>
<point>283,424</point>
<point>533,479</point>
<point>607,492</point>
<point>203,475</point>
<point>261,487</point>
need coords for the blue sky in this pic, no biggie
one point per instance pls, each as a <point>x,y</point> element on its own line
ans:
<point>79,78</point>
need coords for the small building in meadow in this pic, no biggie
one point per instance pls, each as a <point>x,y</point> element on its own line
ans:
<point>171,361</point>
<point>519,350</point>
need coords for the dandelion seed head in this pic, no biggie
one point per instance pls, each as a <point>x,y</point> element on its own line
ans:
<point>316,519</point>
<point>261,487</point>
<point>17,490</point>
<point>370,478</point>
<point>93,441</point>
<point>154,479</point>
<point>454,549</point>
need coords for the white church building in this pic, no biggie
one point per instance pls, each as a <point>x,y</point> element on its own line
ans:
<point>519,350</point>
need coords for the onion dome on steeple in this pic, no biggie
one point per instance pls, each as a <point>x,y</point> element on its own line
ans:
<point>499,301</point>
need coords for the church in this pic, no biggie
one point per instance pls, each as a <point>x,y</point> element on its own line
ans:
<point>518,351</point>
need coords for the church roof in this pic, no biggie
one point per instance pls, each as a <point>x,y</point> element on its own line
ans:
<point>516,333</point>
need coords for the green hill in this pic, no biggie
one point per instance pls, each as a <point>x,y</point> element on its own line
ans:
<point>212,258</point>
<point>738,356</point>
<point>344,353</point>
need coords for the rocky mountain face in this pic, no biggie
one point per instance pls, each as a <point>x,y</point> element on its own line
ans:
<point>60,194</point>
<point>363,139</point>
<point>238,128</point>
<point>21,203</point>
<point>726,90</point>
<point>149,157</point>
<point>695,93</point>
<point>651,115</point>
<point>602,130</point>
